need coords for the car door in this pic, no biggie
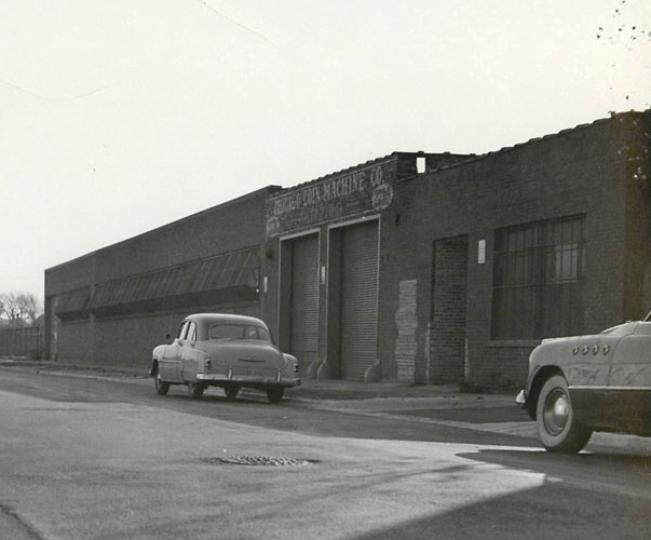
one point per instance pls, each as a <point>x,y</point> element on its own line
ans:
<point>630,378</point>
<point>188,357</point>
<point>169,365</point>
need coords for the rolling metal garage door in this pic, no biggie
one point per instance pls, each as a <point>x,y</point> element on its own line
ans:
<point>305,299</point>
<point>359,274</point>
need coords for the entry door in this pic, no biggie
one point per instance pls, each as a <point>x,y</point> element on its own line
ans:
<point>359,282</point>
<point>448,361</point>
<point>304,314</point>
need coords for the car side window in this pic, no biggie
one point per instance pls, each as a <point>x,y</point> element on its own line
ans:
<point>263,335</point>
<point>237,332</point>
<point>250,332</point>
<point>182,329</point>
<point>192,332</point>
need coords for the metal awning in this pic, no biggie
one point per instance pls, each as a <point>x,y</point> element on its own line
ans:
<point>190,283</point>
<point>73,303</point>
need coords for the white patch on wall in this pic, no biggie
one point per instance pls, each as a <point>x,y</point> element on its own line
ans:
<point>407,323</point>
<point>481,252</point>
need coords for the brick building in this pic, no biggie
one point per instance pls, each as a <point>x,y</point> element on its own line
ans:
<point>547,238</point>
<point>112,306</point>
<point>422,268</point>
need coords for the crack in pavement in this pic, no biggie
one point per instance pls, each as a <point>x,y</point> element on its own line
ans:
<point>16,525</point>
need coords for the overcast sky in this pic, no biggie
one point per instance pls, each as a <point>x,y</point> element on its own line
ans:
<point>120,116</point>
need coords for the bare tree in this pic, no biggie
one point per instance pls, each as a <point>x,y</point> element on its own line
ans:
<point>20,308</point>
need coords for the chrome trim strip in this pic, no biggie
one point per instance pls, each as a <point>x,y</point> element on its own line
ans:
<point>586,387</point>
<point>249,378</point>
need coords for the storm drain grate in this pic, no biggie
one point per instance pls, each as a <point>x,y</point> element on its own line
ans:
<point>261,460</point>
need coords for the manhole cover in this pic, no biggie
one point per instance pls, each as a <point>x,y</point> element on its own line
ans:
<point>260,460</point>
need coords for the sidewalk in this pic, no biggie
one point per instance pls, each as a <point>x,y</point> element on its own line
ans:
<point>442,405</point>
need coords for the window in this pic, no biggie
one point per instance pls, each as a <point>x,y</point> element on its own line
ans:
<point>192,332</point>
<point>182,328</point>
<point>238,331</point>
<point>538,280</point>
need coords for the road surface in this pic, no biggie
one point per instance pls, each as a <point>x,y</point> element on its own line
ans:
<point>93,458</point>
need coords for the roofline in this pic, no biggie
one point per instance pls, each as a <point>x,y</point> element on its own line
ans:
<point>270,188</point>
<point>278,190</point>
<point>472,158</point>
<point>368,163</point>
<point>388,157</point>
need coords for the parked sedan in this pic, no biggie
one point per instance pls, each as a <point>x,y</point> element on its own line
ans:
<point>230,351</point>
<point>578,385</point>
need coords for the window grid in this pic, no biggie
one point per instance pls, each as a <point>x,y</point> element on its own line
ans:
<point>538,280</point>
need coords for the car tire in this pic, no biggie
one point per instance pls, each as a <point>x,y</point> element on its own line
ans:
<point>161,386</point>
<point>231,392</point>
<point>275,394</point>
<point>196,390</point>
<point>558,429</point>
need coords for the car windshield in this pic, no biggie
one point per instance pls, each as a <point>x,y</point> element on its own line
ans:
<point>238,331</point>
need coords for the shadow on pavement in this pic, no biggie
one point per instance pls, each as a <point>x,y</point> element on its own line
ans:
<point>254,410</point>
<point>582,496</point>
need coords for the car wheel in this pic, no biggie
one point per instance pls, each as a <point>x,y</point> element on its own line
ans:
<point>162,387</point>
<point>231,392</point>
<point>275,394</point>
<point>196,390</point>
<point>557,427</point>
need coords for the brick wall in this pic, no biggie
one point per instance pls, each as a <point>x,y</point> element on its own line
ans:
<point>74,342</point>
<point>636,177</point>
<point>575,172</point>
<point>128,340</point>
<point>227,227</point>
<point>447,338</point>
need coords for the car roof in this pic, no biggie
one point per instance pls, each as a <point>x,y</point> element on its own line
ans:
<point>223,317</point>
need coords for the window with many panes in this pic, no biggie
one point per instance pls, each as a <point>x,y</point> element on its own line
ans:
<point>538,280</point>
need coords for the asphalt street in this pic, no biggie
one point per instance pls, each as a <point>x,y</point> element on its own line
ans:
<point>103,458</point>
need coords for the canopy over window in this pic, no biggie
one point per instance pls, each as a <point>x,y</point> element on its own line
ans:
<point>229,277</point>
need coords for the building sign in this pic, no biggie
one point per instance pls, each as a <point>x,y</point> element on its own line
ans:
<point>360,191</point>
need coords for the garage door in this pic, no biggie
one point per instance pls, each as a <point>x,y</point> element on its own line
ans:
<point>304,315</point>
<point>359,270</point>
